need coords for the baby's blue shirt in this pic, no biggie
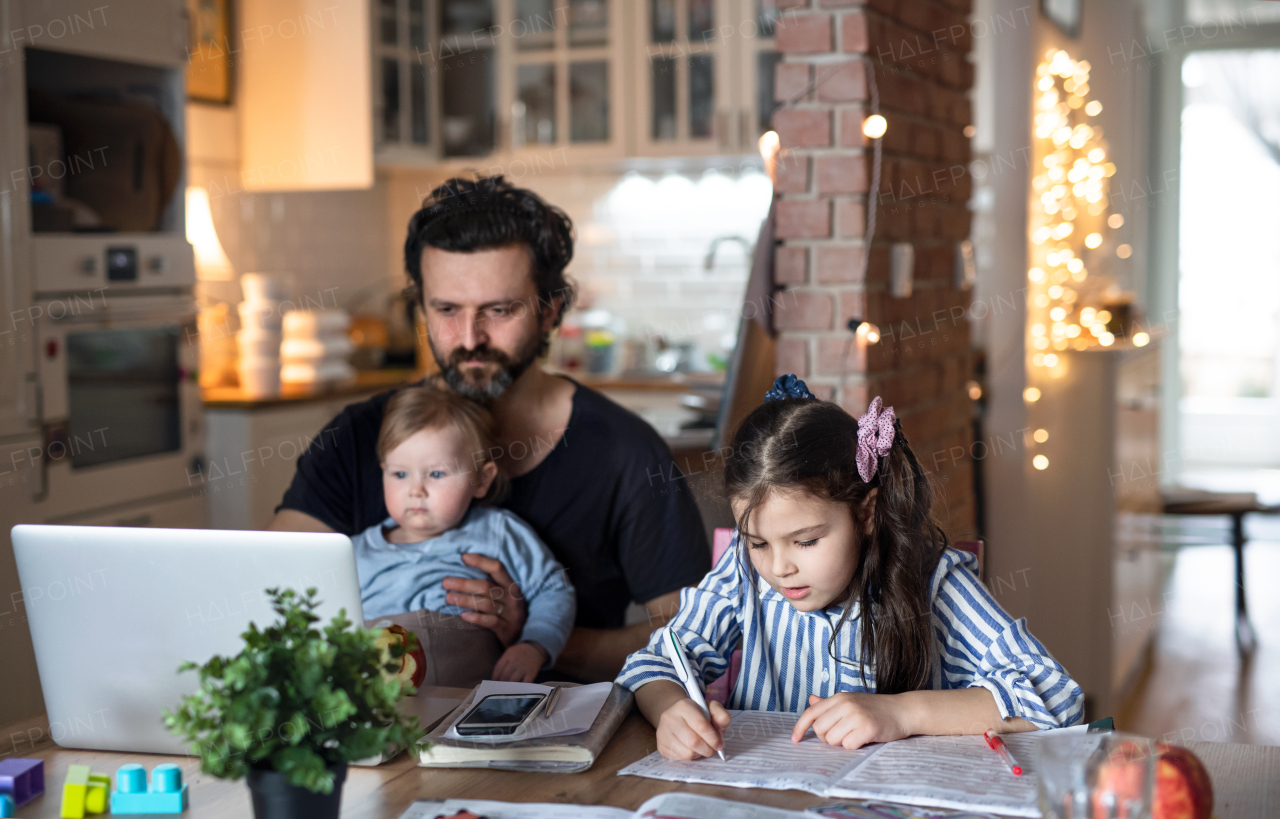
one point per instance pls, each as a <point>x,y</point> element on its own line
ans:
<point>401,577</point>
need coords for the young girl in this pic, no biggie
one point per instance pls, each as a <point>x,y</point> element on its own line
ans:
<point>848,603</point>
<point>438,476</point>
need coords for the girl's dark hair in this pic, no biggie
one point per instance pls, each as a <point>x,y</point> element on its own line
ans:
<point>465,215</point>
<point>811,445</point>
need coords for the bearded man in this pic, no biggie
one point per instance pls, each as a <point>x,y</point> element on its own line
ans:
<point>487,261</point>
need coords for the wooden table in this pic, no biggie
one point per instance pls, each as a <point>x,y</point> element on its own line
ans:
<point>1235,505</point>
<point>1246,780</point>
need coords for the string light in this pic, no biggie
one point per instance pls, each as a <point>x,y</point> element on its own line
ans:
<point>1031,395</point>
<point>1040,462</point>
<point>875,126</point>
<point>1069,214</point>
<point>1041,435</point>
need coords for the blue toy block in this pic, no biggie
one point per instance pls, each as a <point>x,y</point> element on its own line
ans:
<point>166,794</point>
<point>21,780</point>
<point>7,807</point>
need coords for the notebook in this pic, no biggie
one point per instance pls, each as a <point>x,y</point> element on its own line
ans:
<point>666,805</point>
<point>557,753</point>
<point>945,772</point>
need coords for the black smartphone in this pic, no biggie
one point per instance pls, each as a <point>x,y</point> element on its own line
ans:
<point>499,715</point>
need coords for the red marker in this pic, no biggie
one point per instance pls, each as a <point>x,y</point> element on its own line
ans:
<point>997,744</point>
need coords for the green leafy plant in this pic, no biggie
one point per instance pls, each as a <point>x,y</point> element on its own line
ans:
<point>296,699</point>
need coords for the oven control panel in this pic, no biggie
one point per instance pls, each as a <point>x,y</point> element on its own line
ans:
<point>118,262</point>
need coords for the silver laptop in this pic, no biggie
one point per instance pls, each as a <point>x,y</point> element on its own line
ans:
<point>113,611</point>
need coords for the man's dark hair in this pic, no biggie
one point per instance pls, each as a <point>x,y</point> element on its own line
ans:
<point>464,215</point>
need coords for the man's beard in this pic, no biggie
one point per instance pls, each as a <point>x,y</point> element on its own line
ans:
<point>478,385</point>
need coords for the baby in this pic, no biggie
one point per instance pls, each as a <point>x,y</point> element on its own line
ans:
<point>438,479</point>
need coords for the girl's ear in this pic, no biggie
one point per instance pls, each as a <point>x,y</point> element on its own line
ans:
<point>485,476</point>
<point>867,511</point>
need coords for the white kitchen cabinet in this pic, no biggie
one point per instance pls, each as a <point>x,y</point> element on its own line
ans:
<point>184,510</point>
<point>534,85</point>
<point>524,83</point>
<point>704,75</point>
<point>18,479</point>
<point>17,335</point>
<point>253,454</point>
<point>561,92</point>
<point>152,32</point>
<point>303,94</point>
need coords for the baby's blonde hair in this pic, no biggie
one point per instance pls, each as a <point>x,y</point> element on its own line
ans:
<point>420,407</point>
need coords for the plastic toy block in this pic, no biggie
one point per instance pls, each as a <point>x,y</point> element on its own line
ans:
<point>166,794</point>
<point>21,780</point>
<point>7,808</point>
<point>95,798</point>
<point>74,790</point>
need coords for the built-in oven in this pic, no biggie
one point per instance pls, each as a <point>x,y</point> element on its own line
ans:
<point>121,411</point>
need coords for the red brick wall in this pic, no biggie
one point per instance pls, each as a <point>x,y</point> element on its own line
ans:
<point>918,52</point>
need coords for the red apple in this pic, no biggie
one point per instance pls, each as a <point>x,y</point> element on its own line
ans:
<point>413,663</point>
<point>1183,788</point>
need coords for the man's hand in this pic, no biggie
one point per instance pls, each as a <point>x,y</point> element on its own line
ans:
<point>852,720</point>
<point>520,663</point>
<point>497,603</point>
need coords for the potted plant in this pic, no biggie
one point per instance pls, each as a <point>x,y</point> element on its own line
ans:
<point>295,706</point>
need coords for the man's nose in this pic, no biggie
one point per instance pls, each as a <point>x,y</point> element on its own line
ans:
<point>473,331</point>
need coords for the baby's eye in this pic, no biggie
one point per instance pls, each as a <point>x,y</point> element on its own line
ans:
<point>437,473</point>
<point>400,474</point>
<point>806,542</point>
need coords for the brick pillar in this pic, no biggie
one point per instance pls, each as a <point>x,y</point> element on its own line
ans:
<point>918,51</point>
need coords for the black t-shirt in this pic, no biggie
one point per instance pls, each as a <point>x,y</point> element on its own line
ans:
<point>608,501</point>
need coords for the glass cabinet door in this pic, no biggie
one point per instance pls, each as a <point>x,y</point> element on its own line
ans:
<point>402,96</point>
<point>563,75</point>
<point>683,53</point>
<point>705,77</point>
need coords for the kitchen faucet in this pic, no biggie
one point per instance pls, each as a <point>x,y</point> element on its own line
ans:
<point>709,261</point>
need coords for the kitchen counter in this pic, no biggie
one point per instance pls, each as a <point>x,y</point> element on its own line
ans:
<point>366,383</point>
<point>371,381</point>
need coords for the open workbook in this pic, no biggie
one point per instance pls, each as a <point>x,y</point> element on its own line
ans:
<point>663,806</point>
<point>946,772</point>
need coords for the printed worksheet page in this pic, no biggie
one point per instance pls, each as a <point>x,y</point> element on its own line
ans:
<point>948,772</point>
<point>676,805</point>
<point>485,809</point>
<point>760,754</point>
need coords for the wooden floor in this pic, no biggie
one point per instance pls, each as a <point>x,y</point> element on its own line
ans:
<point>1198,687</point>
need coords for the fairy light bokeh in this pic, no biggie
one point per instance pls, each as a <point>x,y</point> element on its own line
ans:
<point>1068,215</point>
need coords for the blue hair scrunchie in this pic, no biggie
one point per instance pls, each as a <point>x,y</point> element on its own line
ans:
<point>788,386</point>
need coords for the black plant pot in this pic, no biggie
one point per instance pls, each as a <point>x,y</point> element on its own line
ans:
<point>275,798</point>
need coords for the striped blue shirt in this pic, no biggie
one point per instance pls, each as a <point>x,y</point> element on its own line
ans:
<point>785,656</point>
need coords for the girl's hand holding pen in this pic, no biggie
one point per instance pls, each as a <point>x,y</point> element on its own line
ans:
<point>684,733</point>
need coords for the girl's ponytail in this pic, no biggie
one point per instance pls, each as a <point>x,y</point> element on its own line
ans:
<point>907,544</point>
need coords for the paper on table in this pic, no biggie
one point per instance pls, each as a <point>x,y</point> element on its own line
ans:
<point>760,755</point>
<point>575,710</point>
<point>662,806</point>
<point>948,772</point>
<point>675,805</point>
<point>510,810</point>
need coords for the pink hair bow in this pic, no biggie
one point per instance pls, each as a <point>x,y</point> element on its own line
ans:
<point>875,437</point>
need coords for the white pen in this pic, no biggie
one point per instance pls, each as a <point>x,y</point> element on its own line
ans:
<point>681,661</point>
